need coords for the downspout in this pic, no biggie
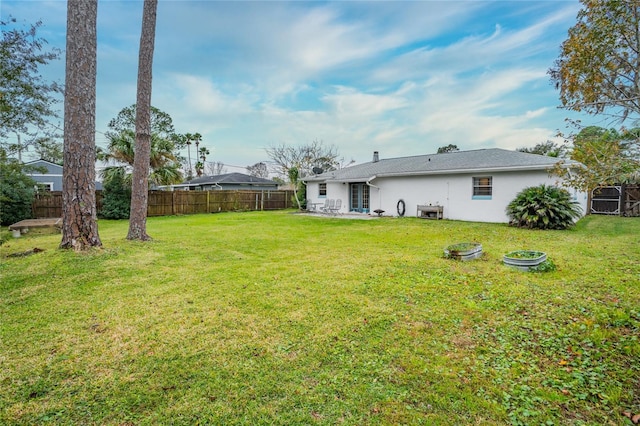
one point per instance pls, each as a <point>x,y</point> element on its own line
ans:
<point>368,183</point>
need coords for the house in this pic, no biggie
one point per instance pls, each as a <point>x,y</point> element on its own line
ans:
<point>474,185</point>
<point>226,181</point>
<point>51,179</point>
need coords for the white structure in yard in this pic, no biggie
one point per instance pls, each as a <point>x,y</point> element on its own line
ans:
<point>463,185</point>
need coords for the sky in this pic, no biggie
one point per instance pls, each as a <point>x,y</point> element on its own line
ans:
<point>399,77</point>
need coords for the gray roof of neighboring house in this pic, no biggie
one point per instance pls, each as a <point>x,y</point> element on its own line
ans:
<point>52,168</point>
<point>53,174</point>
<point>481,160</point>
<point>229,178</point>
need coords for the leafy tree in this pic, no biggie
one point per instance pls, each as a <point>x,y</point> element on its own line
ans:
<point>299,161</point>
<point>27,101</point>
<point>49,149</point>
<point>543,207</point>
<point>142,158</point>
<point>161,124</point>
<point>299,189</point>
<point>79,218</point>
<point>164,161</point>
<point>448,148</point>
<point>258,170</point>
<point>609,157</point>
<point>116,194</point>
<point>548,148</point>
<point>16,190</point>
<point>598,64</point>
<point>304,158</point>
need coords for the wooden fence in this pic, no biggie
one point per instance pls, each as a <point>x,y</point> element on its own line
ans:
<point>167,203</point>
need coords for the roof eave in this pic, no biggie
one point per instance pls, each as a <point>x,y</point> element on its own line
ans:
<point>537,167</point>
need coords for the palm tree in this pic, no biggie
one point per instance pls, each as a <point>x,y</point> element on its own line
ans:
<point>163,162</point>
<point>203,157</point>
<point>188,142</point>
<point>190,138</point>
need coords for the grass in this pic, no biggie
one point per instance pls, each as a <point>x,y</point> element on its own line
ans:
<point>276,318</point>
<point>524,254</point>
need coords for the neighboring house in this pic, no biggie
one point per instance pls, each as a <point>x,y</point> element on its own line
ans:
<point>225,181</point>
<point>468,185</point>
<point>51,180</point>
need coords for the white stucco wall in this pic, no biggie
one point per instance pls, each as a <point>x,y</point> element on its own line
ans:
<point>453,192</point>
<point>334,190</point>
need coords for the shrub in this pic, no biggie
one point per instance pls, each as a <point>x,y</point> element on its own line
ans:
<point>543,207</point>
<point>16,191</point>
<point>116,193</point>
<point>4,236</point>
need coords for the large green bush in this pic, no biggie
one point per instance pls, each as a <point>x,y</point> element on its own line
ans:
<point>543,207</point>
<point>16,191</point>
<point>116,194</point>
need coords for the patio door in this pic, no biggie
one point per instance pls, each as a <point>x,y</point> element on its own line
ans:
<point>359,199</point>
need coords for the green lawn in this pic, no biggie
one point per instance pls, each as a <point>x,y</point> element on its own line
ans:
<point>279,318</point>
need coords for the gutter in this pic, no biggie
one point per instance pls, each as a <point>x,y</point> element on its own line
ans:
<point>447,172</point>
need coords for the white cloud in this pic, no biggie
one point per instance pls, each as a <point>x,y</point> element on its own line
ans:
<point>349,102</point>
<point>400,77</point>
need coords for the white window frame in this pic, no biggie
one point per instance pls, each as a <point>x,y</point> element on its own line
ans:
<point>322,187</point>
<point>481,190</point>
<point>44,186</point>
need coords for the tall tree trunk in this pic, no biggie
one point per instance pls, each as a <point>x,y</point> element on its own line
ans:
<point>79,218</point>
<point>140,183</point>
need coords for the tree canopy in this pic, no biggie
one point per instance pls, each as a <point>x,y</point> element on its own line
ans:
<point>296,162</point>
<point>304,158</point>
<point>27,100</point>
<point>599,63</point>
<point>548,148</point>
<point>258,170</point>
<point>164,162</point>
<point>609,156</point>
<point>449,148</point>
<point>164,159</point>
<point>16,190</point>
<point>161,123</point>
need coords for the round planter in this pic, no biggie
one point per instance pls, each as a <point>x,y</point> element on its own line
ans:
<point>463,251</point>
<point>524,259</point>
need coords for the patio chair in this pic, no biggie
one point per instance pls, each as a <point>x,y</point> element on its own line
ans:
<point>336,207</point>
<point>329,204</point>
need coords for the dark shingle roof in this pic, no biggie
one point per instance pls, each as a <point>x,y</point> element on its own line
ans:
<point>230,178</point>
<point>493,159</point>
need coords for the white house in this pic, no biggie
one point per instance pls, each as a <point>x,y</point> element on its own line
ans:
<point>472,185</point>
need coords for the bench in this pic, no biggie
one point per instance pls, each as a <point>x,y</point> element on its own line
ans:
<point>430,212</point>
<point>23,226</point>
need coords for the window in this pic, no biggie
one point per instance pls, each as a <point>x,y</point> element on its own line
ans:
<point>482,188</point>
<point>44,186</point>
<point>322,190</point>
